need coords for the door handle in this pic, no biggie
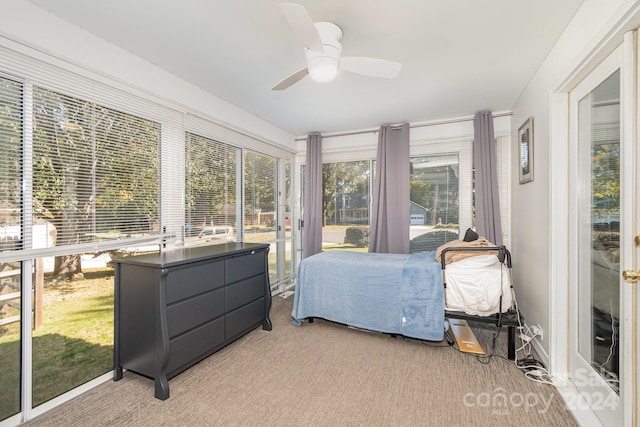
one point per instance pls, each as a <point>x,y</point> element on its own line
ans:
<point>630,276</point>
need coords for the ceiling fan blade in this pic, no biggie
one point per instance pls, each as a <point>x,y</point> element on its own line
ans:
<point>302,24</point>
<point>372,67</point>
<point>291,80</point>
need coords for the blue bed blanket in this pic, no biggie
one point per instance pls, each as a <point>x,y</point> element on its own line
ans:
<point>391,293</point>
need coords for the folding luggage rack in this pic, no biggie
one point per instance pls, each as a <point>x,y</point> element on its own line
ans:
<point>511,318</point>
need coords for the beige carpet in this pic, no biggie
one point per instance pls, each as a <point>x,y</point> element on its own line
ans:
<point>325,374</point>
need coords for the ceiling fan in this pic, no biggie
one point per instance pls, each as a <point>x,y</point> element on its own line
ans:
<point>323,51</point>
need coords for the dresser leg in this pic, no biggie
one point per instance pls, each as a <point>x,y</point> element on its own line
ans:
<point>162,387</point>
<point>266,323</point>
<point>117,373</point>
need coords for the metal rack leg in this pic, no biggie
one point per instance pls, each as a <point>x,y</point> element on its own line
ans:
<point>511,343</point>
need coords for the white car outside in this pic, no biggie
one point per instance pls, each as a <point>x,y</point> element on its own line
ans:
<point>216,233</point>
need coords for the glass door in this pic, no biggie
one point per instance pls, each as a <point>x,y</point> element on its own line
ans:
<point>597,362</point>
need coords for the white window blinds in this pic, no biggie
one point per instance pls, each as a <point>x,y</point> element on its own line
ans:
<point>211,202</point>
<point>81,160</point>
<point>95,170</point>
<point>260,197</point>
<point>11,135</point>
<point>504,186</point>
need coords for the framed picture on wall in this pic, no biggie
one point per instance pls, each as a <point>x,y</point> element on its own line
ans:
<point>525,145</point>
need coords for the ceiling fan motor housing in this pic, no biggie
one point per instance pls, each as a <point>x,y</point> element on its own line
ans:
<point>323,66</point>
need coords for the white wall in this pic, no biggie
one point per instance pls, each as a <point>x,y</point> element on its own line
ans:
<point>41,31</point>
<point>532,225</point>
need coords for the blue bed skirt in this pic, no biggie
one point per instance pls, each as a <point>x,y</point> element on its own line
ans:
<point>390,293</point>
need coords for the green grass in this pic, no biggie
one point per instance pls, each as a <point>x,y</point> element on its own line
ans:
<point>342,247</point>
<point>73,346</point>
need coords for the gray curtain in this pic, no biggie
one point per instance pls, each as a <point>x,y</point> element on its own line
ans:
<point>390,212</point>
<point>312,216</point>
<point>485,160</point>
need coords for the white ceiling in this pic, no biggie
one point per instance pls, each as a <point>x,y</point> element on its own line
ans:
<point>458,56</point>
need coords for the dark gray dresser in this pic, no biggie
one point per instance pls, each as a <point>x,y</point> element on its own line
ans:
<point>175,308</point>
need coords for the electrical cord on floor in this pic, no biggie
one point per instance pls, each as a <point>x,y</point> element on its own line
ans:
<point>534,370</point>
<point>486,358</point>
<point>532,367</point>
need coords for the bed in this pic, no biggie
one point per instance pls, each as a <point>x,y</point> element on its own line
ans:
<point>390,293</point>
<point>409,295</point>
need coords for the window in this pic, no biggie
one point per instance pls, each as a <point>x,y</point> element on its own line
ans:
<point>286,237</point>
<point>10,210</point>
<point>435,201</point>
<point>260,201</point>
<point>260,178</point>
<point>345,205</point>
<point>210,191</point>
<point>95,170</point>
<point>79,177</point>
<point>504,169</point>
<point>95,178</point>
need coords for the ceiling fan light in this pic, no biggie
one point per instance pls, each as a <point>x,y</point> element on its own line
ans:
<point>323,69</point>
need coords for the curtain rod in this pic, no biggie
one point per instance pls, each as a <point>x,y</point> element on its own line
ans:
<point>411,126</point>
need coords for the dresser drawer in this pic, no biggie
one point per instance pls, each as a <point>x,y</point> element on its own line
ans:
<point>196,279</point>
<point>241,293</point>
<point>194,344</point>
<point>188,314</point>
<point>242,267</point>
<point>243,319</point>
